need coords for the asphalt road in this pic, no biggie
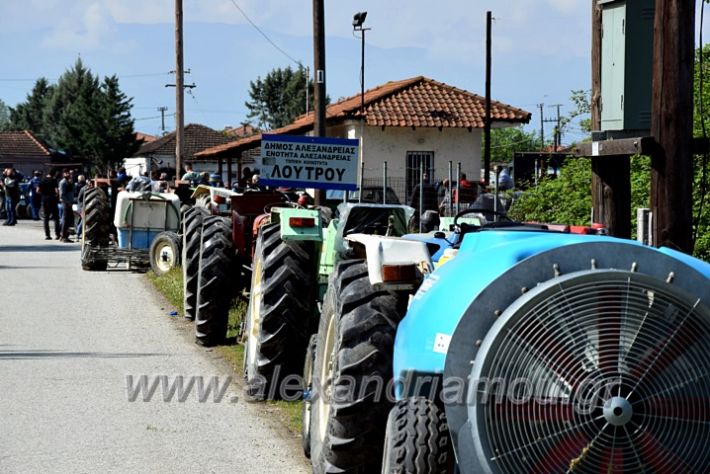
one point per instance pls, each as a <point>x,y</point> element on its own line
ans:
<point>68,341</point>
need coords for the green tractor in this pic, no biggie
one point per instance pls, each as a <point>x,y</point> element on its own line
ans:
<point>296,251</point>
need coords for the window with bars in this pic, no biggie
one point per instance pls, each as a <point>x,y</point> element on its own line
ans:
<point>415,161</point>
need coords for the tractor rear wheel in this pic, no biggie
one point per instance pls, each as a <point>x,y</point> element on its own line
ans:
<point>164,252</point>
<point>215,272</point>
<point>96,229</point>
<point>355,344</point>
<point>191,231</point>
<point>281,313</point>
<point>417,439</point>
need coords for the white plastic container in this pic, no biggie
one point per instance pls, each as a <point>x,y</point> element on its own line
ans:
<point>139,220</point>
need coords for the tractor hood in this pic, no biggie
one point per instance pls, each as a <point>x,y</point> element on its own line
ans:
<point>424,334</point>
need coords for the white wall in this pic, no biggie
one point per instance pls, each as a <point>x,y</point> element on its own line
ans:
<point>137,165</point>
<point>392,144</point>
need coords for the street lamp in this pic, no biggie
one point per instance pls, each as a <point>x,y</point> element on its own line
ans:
<point>358,20</point>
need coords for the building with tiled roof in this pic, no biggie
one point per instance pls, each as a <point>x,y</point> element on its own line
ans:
<point>159,154</point>
<point>406,123</point>
<point>22,150</point>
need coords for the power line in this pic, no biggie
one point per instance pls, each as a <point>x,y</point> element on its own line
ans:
<point>266,37</point>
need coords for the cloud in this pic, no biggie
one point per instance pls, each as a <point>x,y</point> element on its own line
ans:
<point>567,6</point>
<point>85,34</point>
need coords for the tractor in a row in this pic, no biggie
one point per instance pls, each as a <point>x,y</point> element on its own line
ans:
<point>527,350</point>
<point>131,227</point>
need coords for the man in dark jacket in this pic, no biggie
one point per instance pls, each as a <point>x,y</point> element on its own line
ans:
<point>430,201</point>
<point>66,199</point>
<point>50,202</point>
<point>11,184</point>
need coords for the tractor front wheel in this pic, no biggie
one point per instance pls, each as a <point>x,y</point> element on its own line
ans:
<point>352,372</point>
<point>307,393</point>
<point>417,439</point>
<point>164,252</point>
<point>281,313</point>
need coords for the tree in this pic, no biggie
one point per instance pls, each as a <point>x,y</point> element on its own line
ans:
<point>119,140</point>
<point>29,115</point>
<point>279,98</point>
<point>507,141</point>
<point>568,198</point>
<point>89,119</point>
<point>4,116</point>
<point>701,178</point>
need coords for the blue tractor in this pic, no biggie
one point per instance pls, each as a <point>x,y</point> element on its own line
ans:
<point>525,351</point>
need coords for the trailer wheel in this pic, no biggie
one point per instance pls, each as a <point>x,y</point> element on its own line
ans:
<point>355,343</point>
<point>281,313</point>
<point>307,391</point>
<point>215,269</point>
<point>164,252</point>
<point>96,229</point>
<point>417,439</point>
<point>191,232</point>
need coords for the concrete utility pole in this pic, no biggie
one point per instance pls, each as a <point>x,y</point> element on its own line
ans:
<point>162,111</point>
<point>558,130</point>
<point>542,126</point>
<point>319,83</point>
<point>487,120</point>
<point>179,90</point>
<point>672,124</point>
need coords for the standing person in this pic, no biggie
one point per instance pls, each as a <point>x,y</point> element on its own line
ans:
<point>48,190</point>
<point>190,175</point>
<point>66,199</point>
<point>35,197</point>
<point>430,201</point>
<point>12,195</point>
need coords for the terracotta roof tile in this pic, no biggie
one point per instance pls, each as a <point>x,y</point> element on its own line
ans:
<point>21,143</point>
<point>197,138</point>
<point>415,102</point>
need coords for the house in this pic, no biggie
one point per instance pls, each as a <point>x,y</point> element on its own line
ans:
<point>159,154</point>
<point>22,150</point>
<point>406,124</point>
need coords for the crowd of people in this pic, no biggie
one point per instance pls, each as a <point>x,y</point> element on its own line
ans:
<point>51,196</point>
<point>443,199</point>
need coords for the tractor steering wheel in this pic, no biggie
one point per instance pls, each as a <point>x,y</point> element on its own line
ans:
<point>479,210</point>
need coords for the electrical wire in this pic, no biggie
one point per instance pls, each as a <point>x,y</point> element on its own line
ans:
<point>266,37</point>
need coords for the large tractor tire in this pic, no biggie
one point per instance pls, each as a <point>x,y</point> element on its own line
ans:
<point>307,392</point>
<point>353,369</point>
<point>165,252</point>
<point>96,228</point>
<point>215,275</point>
<point>417,439</point>
<point>191,234</point>
<point>281,316</point>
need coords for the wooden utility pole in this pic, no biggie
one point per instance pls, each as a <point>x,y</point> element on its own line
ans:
<point>487,123</point>
<point>672,124</point>
<point>179,90</point>
<point>319,83</point>
<point>611,175</point>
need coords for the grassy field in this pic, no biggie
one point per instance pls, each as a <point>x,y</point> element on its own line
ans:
<point>170,285</point>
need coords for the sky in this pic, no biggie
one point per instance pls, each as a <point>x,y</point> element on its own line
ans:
<point>540,49</point>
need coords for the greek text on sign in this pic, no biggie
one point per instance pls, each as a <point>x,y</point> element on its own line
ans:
<point>309,162</point>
